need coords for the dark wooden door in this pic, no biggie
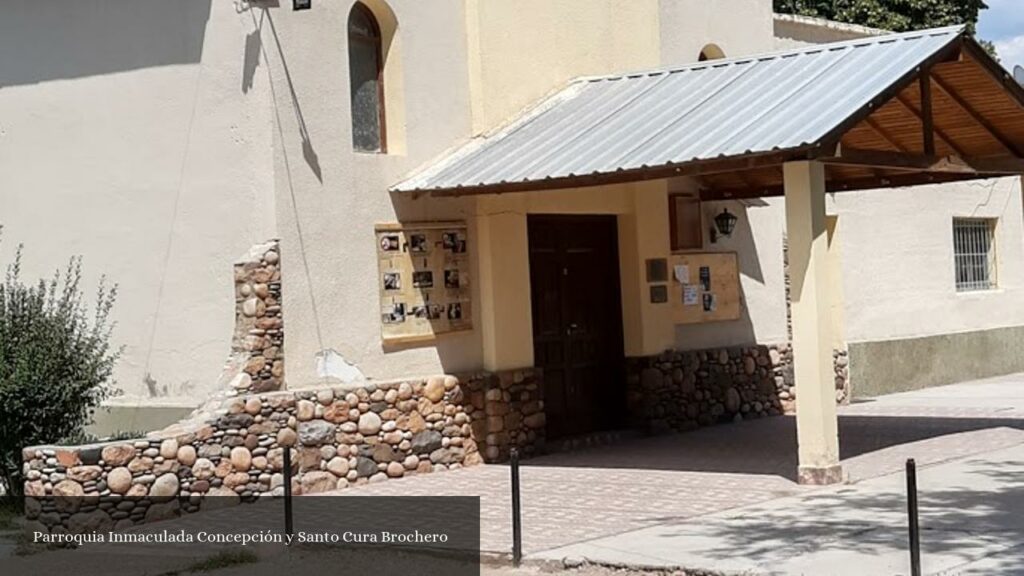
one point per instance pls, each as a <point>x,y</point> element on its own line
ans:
<point>577,321</point>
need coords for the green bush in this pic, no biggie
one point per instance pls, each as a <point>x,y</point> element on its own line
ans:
<point>55,362</point>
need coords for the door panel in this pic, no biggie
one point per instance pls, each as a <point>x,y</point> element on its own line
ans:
<point>577,319</point>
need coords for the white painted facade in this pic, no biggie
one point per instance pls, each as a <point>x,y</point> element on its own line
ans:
<point>160,142</point>
<point>130,135</point>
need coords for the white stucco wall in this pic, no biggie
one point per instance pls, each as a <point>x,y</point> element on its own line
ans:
<point>126,137</point>
<point>331,299</point>
<point>897,260</point>
<point>798,31</point>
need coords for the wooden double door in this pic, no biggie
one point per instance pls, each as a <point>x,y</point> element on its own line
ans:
<point>577,321</point>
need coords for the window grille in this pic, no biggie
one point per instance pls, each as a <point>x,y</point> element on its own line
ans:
<point>974,254</point>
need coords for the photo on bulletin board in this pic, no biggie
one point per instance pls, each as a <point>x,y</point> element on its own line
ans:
<point>428,311</point>
<point>392,281</point>
<point>710,304</point>
<point>390,242</point>
<point>455,311</point>
<point>423,279</point>
<point>454,241</point>
<point>418,243</point>
<point>455,279</point>
<point>393,314</point>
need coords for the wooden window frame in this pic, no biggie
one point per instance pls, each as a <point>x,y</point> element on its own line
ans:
<point>377,39</point>
<point>674,225</point>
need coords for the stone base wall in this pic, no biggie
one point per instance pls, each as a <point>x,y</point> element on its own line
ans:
<point>507,412</point>
<point>257,346</point>
<point>678,391</point>
<point>339,437</point>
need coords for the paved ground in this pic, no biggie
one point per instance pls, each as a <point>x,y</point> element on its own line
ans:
<point>638,484</point>
<point>724,498</point>
<point>968,439</point>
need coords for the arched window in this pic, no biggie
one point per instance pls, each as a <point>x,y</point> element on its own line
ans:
<point>710,52</point>
<point>365,67</point>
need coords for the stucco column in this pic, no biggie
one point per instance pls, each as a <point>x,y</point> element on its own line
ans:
<point>506,315</point>
<point>816,419</point>
<point>644,234</point>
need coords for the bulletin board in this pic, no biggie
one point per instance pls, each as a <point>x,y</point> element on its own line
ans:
<point>423,279</point>
<point>704,287</point>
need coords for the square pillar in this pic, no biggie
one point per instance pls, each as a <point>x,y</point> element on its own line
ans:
<point>816,419</point>
<point>648,328</point>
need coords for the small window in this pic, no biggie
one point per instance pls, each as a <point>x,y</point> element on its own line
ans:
<point>365,80</point>
<point>685,222</point>
<point>974,254</point>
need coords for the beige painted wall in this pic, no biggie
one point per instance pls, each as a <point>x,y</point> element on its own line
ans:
<point>738,27</point>
<point>126,137</point>
<point>643,233</point>
<point>522,50</point>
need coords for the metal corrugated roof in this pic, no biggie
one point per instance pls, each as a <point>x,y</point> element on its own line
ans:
<point>703,111</point>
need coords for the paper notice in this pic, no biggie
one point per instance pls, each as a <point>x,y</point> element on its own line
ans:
<point>690,295</point>
<point>682,273</point>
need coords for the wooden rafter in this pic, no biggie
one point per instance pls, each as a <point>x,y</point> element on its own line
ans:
<point>889,138</point>
<point>927,115</point>
<point>938,132</point>
<point>951,94</point>
<point>887,181</point>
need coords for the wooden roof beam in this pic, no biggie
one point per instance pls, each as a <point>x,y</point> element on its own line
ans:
<point>937,131</point>
<point>1005,166</point>
<point>994,132</point>
<point>927,117</point>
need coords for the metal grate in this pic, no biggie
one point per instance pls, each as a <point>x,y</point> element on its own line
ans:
<point>974,254</point>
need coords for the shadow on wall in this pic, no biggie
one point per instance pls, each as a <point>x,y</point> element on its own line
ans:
<point>63,39</point>
<point>738,332</point>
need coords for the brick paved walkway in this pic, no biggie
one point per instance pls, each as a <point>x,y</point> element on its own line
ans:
<point>590,493</point>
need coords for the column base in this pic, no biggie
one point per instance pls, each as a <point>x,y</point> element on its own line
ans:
<point>812,476</point>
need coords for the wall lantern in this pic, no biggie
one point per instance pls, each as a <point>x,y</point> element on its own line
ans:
<point>302,4</point>
<point>724,224</point>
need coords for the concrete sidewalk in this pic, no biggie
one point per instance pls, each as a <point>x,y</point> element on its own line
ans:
<point>972,519</point>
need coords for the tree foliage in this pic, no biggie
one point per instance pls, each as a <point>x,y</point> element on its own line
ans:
<point>895,15</point>
<point>56,361</point>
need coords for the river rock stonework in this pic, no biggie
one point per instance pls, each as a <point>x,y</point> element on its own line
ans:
<point>679,391</point>
<point>257,346</point>
<point>338,437</point>
<point>507,411</point>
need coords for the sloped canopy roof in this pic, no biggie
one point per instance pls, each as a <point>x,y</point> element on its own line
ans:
<point>732,123</point>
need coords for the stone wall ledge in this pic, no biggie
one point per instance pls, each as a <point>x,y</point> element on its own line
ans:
<point>233,448</point>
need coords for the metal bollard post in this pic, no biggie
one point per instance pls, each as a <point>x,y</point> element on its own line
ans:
<point>914,530</point>
<point>517,527</point>
<point>287,490</point>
